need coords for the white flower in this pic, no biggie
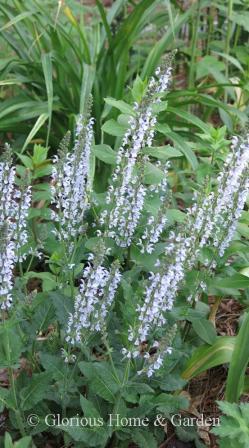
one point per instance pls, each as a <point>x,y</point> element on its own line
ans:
<point>70,178</point>
<point>93,303</point>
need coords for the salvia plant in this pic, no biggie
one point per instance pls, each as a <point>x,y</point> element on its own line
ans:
<point>103,333</point>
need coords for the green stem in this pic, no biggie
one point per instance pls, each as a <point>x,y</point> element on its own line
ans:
<point>228,40</point>
<point>195,29</point>
<point>108,348</point>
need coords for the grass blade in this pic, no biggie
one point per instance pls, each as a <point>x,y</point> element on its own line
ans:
<point>38,124</point>
<point>238,364</point>
<point>48,75</point>
<point>206,357</point>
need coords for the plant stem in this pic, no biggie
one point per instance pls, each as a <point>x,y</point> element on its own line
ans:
<point>214,310</point>
<point>195,29</point>
<point>228,39</point>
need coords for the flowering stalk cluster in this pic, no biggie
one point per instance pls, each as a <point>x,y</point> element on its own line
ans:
<point>14,207</point>
<point>126,193</point>
<point>210,222</point>
<point>70,179</point>
<point>155,225</point>
<point>95,298</point>
<point>155,360</point>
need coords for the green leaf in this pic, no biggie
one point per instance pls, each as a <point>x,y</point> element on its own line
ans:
<point>143,438</point>
<point>27,161</point>
<point>39,155</point>
<point>35,391</point>
<point>236,281</point>
<point>101,379</point>
<point>234,426</point>
<point>48,280</point>
<point>63,306</point>
<point>175,215</point>
<point>48,75</point>
<point>190,118</point>
<point>120,105</point>
<point>38,124</point>
<point>180,143</point>
<point>241,19</point>
<point>206,357</point>
<point>5,400</point>
<point>8,441</point>
<point>138,89</point>
<point>163,152</point>
<point>105,153</point>
<point>205,330</point>
<point>152,174</point>
<point>239,362</point>
<point>112,127</point>
<point>11,346</point>
<point>16,19</point>
<point>209,64</point>
<point>88,408</point>
<point>53,364</point>
<point>169,404</point>
<point>95,436</point>
<point>25,442</point>
<point>165,43</point>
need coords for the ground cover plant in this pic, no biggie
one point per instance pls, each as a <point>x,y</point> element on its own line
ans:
<point>123,274</point>
<point>120,244</point>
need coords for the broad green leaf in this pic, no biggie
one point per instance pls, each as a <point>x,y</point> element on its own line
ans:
<point>162,152</point>
<point>209,64</point>
<point>11,346</point>
<point>112,127</point>
<point>25,442</point>
<point>88,408</point>
<point>101,379</point>
<point>35,391</point>
<point>233,429</point>
<point>242,19</point>
<point>27,161</point>
<point>5,399</point>
<point>236,281</point>
<point>175,215</point>
<point>205,330</point>
<point>105,153</point>
<point>143,438</point>
<point>94,436</point>
<point>138,89</point>
<point>48,280</point>
<point>152,174</point>
<point>245,271</point>
<point>168,403</point>
<point>53,364</point>
<point>120,105</point>
<point>63,306</point>
<point>206,356</point>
